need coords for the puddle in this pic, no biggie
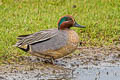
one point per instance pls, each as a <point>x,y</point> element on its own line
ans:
<point>94,73</point>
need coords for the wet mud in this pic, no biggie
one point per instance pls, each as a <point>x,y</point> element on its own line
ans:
<point>90,64</point>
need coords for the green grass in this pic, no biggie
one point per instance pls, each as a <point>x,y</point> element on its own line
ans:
<point>101,18</point>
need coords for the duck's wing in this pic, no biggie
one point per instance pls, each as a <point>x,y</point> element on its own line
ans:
<point>20,37</point>
<point>36,37</point>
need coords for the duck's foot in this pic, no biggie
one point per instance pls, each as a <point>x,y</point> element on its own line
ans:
<point>51,61</point>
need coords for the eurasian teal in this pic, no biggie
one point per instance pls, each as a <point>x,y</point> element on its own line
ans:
<point>52,43</point>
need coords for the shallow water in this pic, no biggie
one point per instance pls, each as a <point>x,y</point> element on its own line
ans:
<point>94,73</point>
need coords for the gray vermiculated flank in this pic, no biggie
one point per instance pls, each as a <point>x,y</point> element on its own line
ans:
<point>56,42</point>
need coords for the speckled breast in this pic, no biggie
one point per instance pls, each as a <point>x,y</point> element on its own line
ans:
<point>73,40</point>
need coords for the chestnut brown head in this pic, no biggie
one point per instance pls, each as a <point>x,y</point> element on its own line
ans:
<point>66,22</point>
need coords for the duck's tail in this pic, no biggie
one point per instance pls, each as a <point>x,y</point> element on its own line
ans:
<point>20,38</point>
<point>22,47</point>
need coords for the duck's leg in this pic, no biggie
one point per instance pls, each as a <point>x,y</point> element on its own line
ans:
<point>52,60</point>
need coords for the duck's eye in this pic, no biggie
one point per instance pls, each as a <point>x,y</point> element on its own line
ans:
<point>69,19</point>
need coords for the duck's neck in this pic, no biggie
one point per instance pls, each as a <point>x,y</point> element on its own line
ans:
<point>64,29</point>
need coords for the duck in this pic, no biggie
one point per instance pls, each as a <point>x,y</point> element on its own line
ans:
<point>52,43</point>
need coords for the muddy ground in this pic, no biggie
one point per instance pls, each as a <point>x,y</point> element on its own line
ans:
<point>90,64</point>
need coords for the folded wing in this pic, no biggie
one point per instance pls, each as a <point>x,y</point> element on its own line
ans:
<point>36,37</point>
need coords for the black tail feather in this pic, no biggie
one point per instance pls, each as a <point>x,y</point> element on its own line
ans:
<point>26,50</point>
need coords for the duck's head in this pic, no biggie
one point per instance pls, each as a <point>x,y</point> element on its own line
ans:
<point>66,22</point>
